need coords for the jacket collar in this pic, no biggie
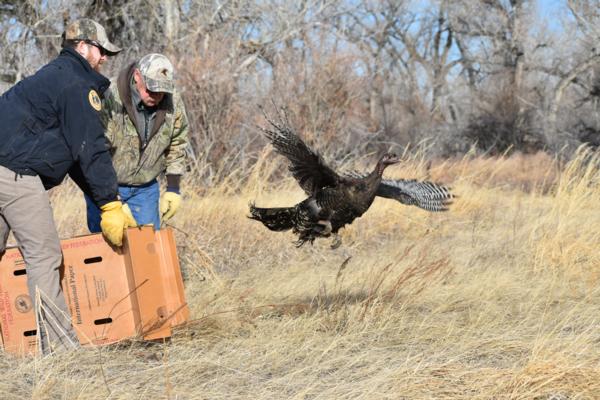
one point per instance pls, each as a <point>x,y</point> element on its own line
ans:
<point>99,81</point>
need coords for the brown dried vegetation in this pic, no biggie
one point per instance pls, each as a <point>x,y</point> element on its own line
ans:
<point>497,298</point>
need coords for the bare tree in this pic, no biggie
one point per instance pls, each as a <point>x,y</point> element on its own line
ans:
<point>363,75</point>
<point>496,42</point>
<point>577,90</point>
<point>29,32</point>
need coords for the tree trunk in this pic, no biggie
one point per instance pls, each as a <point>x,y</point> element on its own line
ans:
<point>562,85</point>
<point>171,12</point>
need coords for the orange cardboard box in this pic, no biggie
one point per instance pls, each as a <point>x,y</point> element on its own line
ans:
<point>17,318</point>
<point>112,295</point>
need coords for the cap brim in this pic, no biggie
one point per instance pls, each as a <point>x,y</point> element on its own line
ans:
<point>159,86</point>
<point>111,49</point>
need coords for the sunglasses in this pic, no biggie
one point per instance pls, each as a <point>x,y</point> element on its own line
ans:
<point>103,52</point>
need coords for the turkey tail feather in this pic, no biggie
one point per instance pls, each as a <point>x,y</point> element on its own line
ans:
<point>276,219</point>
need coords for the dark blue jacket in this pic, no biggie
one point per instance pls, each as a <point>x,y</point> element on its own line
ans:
<point>50,126</point>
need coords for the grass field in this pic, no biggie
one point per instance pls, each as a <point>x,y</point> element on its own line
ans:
<point>498,298</point>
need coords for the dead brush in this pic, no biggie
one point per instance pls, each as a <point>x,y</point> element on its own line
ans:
<point>471,305</point>
<point>408,284</point>
<point>346,304</point>
<point>556,380</point>
<point>558,238</point>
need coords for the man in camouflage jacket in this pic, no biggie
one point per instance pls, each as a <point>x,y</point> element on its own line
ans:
<point>147,129</point>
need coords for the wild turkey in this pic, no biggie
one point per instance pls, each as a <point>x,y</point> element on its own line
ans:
<point>336,200</point>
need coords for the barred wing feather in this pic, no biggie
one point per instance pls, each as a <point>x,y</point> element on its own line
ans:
<point>426,195</point>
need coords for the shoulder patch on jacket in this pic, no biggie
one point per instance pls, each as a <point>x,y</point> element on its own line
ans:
<point>94,100</point>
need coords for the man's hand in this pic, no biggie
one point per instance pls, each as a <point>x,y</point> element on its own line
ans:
<point>169,203</point>
<point>114,221</point>
<point>129,215</point>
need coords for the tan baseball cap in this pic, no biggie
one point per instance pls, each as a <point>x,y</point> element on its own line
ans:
<point>157,71</point>
<point>88,30</point>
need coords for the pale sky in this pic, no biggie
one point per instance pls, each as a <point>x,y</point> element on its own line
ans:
<point>551,10</point>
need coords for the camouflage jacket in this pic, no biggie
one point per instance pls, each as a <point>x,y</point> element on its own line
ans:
<point>166,147</point>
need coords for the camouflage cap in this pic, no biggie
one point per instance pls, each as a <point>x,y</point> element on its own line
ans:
<point>89,30</point>
<point>157,71</point>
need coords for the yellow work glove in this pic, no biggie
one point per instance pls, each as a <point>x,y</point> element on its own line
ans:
<point>131,220</point>
<point>114,221</point>
<point>169,203</point>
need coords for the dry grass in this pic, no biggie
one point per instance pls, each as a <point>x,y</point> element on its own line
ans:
<point>499,298</point>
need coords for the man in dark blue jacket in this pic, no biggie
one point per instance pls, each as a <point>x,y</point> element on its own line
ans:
<point>50,126</point>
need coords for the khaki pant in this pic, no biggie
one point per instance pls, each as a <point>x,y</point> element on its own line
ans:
<point>25,209</point>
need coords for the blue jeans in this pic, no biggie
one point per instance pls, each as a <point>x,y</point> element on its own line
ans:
<point>142,200</point>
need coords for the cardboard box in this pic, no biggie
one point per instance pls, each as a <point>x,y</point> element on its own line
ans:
<point>177,310</point>
<point>136,291</point>
<point>17,318</point>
